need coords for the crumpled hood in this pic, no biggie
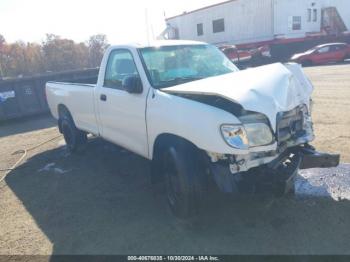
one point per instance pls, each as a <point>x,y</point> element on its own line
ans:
<point>267,89</point>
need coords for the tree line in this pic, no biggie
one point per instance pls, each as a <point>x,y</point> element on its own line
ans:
<point>54,54</point>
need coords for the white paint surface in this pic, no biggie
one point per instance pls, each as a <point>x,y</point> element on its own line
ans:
<point>266,89</point>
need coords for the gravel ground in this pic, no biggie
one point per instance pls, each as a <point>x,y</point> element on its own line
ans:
<point>101,202</point>
<point>332,108</point>
<point>332,182</point>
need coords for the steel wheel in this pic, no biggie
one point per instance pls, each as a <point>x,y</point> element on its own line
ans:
<point>172,182</point>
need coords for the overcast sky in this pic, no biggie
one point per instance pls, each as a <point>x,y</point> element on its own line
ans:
<point>121,21</point>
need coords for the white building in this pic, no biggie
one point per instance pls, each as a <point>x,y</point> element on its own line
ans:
<point>252,21</point>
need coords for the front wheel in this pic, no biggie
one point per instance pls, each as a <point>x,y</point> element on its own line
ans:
<point>306,63</point>
<point>185,183</point>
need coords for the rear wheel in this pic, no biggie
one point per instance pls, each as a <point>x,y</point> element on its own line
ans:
<point>185,182</point>
<point>73,136</point>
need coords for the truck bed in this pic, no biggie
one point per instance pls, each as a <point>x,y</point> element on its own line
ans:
<point>79,98</point>
<point>71,84</point>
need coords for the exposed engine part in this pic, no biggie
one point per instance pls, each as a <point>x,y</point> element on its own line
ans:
<point>215,157</point>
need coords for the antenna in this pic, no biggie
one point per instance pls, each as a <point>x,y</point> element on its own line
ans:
<point>147,26</point>
<point>152,31</point>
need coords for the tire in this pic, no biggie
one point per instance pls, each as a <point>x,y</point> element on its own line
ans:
<point>74,137</point>
<point>185,182</point>
<point>306,63</point>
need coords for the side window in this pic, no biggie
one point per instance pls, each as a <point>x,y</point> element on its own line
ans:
<point>315,15</point>
<point>323,50</point>
<point>218,25</point>
<point>309,13</point>
<point>200,29</point>
<point>337,48</point>
<point>296,23</point>
<point>334,48</point>
<point>120,65</point>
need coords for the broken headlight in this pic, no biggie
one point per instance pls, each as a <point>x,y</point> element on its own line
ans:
<point>259,134</point>
<point>257,127</point>
<point>235,136</point>
<point>254,132</point>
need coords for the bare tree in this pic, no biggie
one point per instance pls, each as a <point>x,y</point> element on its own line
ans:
<point>2,43</point>
<point>63,54</point>
<point>54,54</point>
<point>97,44</point>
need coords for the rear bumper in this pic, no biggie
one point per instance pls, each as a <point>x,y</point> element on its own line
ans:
<point>277,176</point>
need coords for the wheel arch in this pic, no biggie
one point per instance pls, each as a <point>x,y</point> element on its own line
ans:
<point>161,143</point>
<point>164,140</point>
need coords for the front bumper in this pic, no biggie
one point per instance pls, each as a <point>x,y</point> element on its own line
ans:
<point>276,177</point>
<point>313,159</point>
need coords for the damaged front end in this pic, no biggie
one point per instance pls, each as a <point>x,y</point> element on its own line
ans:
<point>273,171</point>
<point>270,131</point>
<point>276,176</point>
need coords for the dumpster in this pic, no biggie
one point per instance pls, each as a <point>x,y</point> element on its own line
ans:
<point>8,103</point>
<point>21,97</point>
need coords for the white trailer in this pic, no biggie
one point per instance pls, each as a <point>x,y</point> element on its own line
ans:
<point>252,21</point>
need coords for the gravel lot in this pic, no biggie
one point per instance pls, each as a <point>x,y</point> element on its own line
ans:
<point>101,202</point>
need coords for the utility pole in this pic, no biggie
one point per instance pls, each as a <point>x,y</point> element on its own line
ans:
<point>2,39</point>
<point>147,25</point>
<point>1,73</point>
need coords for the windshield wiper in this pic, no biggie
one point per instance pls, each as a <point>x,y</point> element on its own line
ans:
<point>189,78</point>
<point>177,80</point>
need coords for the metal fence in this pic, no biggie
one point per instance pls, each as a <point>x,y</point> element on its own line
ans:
<point>26,96</point>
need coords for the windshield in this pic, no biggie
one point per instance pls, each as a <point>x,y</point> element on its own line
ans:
<point>171,65</point>
<point>310,51</point>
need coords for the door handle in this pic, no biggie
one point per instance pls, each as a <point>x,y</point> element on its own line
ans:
<point>103,97</point>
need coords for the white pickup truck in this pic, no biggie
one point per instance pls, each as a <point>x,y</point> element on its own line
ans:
<point>187,108</point>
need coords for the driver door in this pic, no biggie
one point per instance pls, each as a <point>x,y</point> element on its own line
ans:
<point>121,114</point>
<point>323,55</point>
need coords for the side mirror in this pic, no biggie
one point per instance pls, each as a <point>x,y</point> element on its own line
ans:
<point>133,84</point>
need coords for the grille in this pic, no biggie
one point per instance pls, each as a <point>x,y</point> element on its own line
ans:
<point>290,124</point>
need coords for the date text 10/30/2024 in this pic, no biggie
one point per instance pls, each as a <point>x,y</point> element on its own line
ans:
<point>173,258</point>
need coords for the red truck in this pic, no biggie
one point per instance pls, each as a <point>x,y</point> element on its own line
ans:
<point>323,54</point>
